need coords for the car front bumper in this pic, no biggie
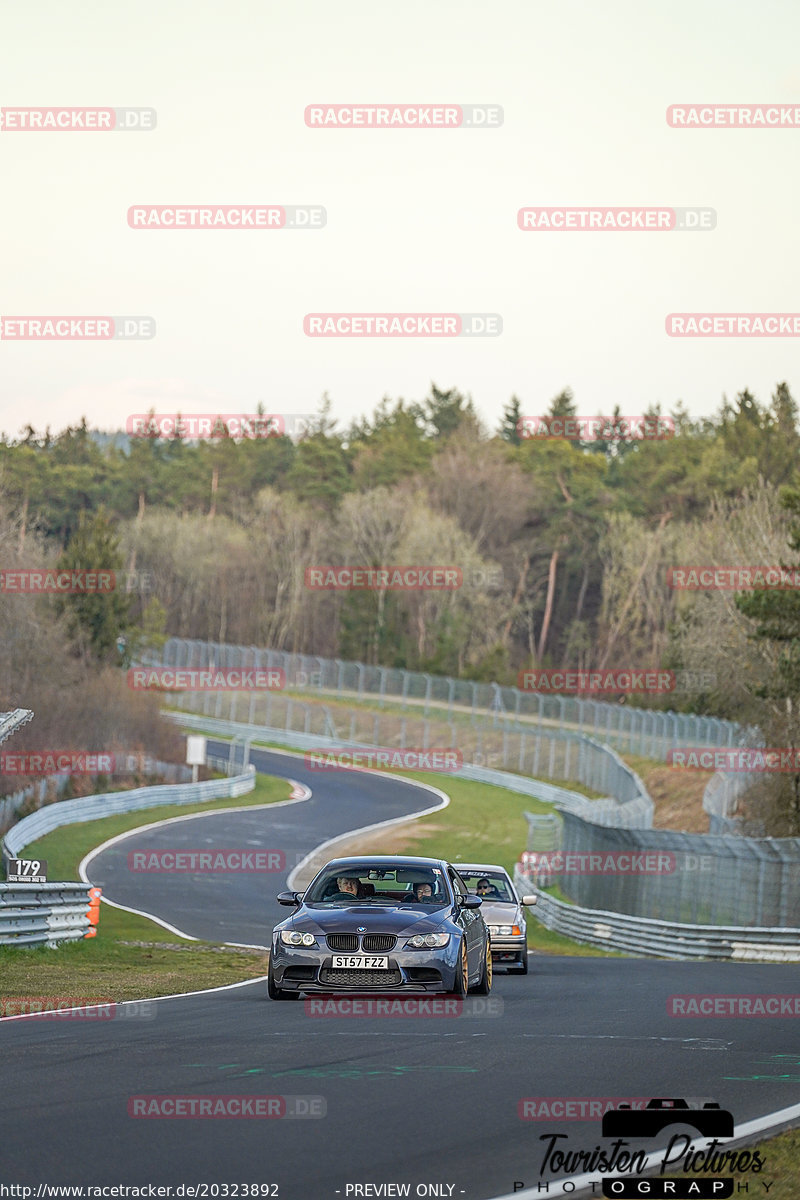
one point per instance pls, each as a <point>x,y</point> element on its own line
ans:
<point>421,971</point>
<point>504,949</point>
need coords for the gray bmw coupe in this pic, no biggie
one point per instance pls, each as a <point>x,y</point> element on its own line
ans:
<point>381,924</point>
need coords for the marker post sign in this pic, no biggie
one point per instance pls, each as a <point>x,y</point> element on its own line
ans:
<point>24,870</point>
<point>195,753</point>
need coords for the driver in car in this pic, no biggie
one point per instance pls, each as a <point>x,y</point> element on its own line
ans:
<point>347,885</point>
<point>487,890</point>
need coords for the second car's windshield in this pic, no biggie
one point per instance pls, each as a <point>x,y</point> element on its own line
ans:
<point>378,885</point>
<point>489,886</point>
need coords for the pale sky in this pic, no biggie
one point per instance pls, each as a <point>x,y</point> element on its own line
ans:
<point>417,220</point>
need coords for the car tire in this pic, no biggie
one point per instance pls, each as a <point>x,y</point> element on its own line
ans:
<point>461,982</point>
<point>276,993</point>
<point>484,984</point>
<point>521,968</point>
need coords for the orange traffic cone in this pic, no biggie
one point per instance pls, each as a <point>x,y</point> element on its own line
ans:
<point>93,912</point>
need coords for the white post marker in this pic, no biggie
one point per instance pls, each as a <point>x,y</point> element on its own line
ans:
<point>195,753</point>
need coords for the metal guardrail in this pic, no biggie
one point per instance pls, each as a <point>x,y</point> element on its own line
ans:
<point>91,808</point>
<point>660,939</point>
<point>12,720</point>
<point>43,914</point>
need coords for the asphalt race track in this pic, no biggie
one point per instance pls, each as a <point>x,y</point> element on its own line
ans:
<point>241,907</point>
<point>431,1101</point>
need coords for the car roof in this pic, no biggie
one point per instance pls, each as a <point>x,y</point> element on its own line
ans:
<point>475,868</point>
<point>387,860</point>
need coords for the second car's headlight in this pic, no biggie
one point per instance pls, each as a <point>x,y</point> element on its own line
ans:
<point>428,941</point>
<point>291,937</point>
<point>505,931</point>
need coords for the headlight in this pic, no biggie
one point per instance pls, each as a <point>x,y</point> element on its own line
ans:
<point>291,937</point>
<point>428,941</point>
<point>505,931</point>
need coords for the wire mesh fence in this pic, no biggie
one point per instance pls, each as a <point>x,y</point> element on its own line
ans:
<point>701,879</point>
<point>650,733</point>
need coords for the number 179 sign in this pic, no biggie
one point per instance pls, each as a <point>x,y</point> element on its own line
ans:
<point>27,870</point>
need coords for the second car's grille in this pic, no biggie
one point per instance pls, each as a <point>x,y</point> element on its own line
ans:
<point>378,941</point>
<point>342,941</point>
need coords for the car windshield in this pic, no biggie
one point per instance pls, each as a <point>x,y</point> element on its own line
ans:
<point>340,887</point>
<point>489,885</point>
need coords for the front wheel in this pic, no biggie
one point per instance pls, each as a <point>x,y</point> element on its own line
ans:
<point>484,984</point>
<point>461,984</point>
<point>521,967</point>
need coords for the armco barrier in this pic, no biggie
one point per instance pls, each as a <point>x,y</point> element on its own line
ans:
<point>44,914</point>
<point>91,808</point>
<point>660,939</point>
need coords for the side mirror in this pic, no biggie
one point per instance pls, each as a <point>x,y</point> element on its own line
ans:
<point>471,902</point>
<point>290,898</point>
<point>529,900</point>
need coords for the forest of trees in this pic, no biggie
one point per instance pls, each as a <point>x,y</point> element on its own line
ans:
<point>564,546</point>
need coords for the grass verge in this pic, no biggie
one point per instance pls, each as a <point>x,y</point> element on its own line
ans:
<point>107,967</point>
<point>781,1155</point>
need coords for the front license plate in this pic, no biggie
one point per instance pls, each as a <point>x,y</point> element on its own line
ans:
<point>356,962</point>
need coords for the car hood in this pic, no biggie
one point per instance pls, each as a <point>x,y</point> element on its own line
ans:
<point>377,919</point>
<point>495,913</point>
